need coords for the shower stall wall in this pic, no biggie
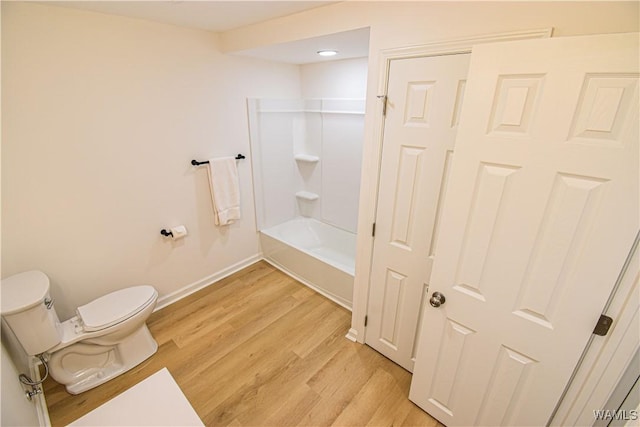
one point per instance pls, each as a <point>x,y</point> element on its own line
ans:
<point>306,159</point>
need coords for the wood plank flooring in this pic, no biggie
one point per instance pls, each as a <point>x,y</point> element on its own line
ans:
<point>259,348</point>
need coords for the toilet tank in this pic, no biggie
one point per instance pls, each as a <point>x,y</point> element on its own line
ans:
<point>27,309</point>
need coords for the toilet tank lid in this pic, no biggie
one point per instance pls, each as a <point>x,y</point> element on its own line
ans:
<point>116,306</point>
<point>23,291</point>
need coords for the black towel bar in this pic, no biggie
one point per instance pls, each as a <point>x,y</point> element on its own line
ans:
<point>197,163</point>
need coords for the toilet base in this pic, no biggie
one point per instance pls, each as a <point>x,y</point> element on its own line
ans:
<point>83,366</point>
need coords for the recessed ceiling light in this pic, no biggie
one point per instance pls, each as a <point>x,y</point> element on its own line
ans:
<point>327,52</point>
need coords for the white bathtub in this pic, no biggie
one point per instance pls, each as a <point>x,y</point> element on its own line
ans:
<point>317,254</point>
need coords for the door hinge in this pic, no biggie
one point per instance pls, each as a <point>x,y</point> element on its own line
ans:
<point>366,320</point>
<point>384,104</point>
<point>603,325</point>
<point>373,230</point>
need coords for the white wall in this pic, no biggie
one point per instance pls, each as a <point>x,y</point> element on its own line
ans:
<point>335,79</point>
<point>102,115</point>
<point>15,409</point>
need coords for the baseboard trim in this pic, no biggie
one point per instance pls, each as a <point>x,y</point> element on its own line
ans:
<point>306,283</point>
<point>352,335</point>
<point>175,296</point>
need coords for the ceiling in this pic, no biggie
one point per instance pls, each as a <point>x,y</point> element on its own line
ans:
<point>211,15</point>
<point>220,16</point>
<point>348,44</point>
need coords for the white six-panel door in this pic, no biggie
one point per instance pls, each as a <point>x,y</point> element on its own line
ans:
<point>423,105</point>
<point>541,211</point>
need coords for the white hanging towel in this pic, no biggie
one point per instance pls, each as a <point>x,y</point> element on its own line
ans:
<point>225,190</point>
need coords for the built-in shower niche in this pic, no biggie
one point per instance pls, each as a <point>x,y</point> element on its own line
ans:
<point>306,157</point>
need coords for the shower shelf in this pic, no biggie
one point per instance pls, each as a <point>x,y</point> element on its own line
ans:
<point>307,158</point>
<point>307,195</point>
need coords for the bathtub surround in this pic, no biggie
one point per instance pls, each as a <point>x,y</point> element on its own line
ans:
<point>306,158</point>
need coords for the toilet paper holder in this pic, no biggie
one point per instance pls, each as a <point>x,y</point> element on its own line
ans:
<point>175,233</point>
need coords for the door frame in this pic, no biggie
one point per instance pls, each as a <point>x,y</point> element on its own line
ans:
<point>605,360</point>
<point>371,163</point>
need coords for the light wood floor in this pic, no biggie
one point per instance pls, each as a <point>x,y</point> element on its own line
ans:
<point>259,348</point>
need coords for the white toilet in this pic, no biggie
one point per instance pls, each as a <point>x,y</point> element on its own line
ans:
<point>107,337</point>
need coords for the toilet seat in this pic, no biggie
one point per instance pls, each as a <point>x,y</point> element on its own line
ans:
<point>115,307</point>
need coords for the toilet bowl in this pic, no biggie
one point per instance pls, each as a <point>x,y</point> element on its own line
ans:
<point>106,338</point>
